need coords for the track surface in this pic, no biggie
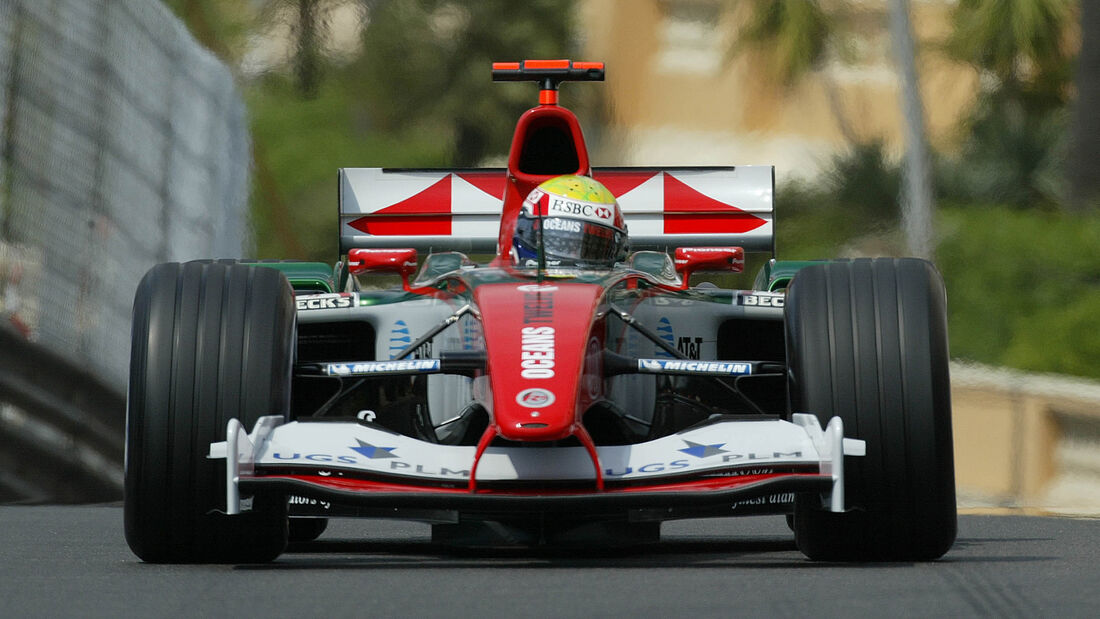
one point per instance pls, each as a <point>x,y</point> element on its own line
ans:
<point>73,561</point>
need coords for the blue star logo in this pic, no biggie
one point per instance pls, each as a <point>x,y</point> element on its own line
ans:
<point>372,452</point>
<point>399,338</point>
<point>703,451</point>
<point>664,330</point>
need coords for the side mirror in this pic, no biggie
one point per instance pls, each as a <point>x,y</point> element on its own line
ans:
<point>399,261</point>
<point>436,265</point>
<point>691,259</point>
<point>656,263</point>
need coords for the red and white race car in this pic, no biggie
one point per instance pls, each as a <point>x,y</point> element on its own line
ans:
<point>575,386</point>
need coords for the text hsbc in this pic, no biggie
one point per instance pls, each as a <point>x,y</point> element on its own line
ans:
<point>557,205</point>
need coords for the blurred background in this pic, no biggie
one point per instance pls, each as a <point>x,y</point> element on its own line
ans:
<point>963,131</point>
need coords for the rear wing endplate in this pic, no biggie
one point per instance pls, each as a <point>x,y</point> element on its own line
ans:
<point>441,210</point>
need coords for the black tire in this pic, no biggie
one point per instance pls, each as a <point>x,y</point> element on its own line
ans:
<point>307,529</point>
<point>211,342</point>
<point>867,341</point>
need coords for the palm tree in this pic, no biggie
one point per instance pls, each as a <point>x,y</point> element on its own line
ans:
<point>1016,131</point>
<point>794,37</point>
<point>1019,43</point>
<point>1084,164</point>
<point>423,69</point>
<point>799,34</point>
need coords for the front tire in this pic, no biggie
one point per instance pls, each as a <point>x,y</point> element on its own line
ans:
<point>867,341</point>
<point>211,342</point>
<point>307,529</point>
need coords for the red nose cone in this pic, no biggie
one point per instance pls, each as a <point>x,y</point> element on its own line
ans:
<point>536,337</point>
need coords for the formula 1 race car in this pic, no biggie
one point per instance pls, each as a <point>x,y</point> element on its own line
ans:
<point>574,387</point>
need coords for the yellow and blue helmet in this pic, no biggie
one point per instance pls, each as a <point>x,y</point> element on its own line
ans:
<point>582,225</point>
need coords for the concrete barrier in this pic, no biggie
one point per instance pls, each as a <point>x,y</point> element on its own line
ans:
<point>1026,440</point>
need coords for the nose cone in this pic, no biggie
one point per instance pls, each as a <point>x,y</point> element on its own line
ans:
<point>536,414</point>
<point>536,337</point>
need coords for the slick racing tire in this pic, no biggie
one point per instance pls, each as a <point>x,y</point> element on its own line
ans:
<point>867,341</point>
<point>307,529</point>
<point>211,341</point>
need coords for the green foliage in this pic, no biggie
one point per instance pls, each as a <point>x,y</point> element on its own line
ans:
<point>1014,140</point>
<point>795,34</point>
<point>1018,41</point>
<point>856,194</point>
<point>425,69</point>
<point>812,234</point>
<point>1023,288</point>
<point>863,180</point>
<point>302,142</point>
<point>1011,155</point>
<point>223,26</point>
<point>1061,338</point>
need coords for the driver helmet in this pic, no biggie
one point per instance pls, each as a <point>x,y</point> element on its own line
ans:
<point>582,225</point>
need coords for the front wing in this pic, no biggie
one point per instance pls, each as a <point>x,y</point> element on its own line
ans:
<point>720,465</point>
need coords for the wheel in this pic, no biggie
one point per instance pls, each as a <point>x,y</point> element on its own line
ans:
<point>307,529</point>
<point>867,341</point>
<point>211,341</point>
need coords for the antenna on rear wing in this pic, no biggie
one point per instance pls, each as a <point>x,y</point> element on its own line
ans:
<point>548,74</point>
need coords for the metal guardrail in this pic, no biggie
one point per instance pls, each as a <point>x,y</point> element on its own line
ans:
<point>62,430</point>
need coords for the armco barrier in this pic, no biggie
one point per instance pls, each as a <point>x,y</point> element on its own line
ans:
<point>62,430</point>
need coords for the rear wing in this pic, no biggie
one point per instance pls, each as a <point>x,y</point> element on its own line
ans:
<point>441,210</point>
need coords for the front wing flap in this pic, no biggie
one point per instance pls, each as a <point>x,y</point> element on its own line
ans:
<point>720,463</point>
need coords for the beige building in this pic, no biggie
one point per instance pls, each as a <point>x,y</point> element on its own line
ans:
<point>677,96</point>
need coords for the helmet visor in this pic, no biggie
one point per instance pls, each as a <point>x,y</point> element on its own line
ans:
<point>571,242</point>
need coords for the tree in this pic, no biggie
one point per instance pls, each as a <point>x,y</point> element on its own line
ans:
<point>1084,163</point>
<point>1019,43</point>
<point>311,29</point>
<point>799,35</point>
<point>220,26</point>
<point>309,25</point>
<point>425,67</point>
<point>1014,143</point>
<point>795,38</point>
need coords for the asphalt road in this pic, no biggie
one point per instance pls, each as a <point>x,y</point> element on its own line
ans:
<point>73,561</point>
